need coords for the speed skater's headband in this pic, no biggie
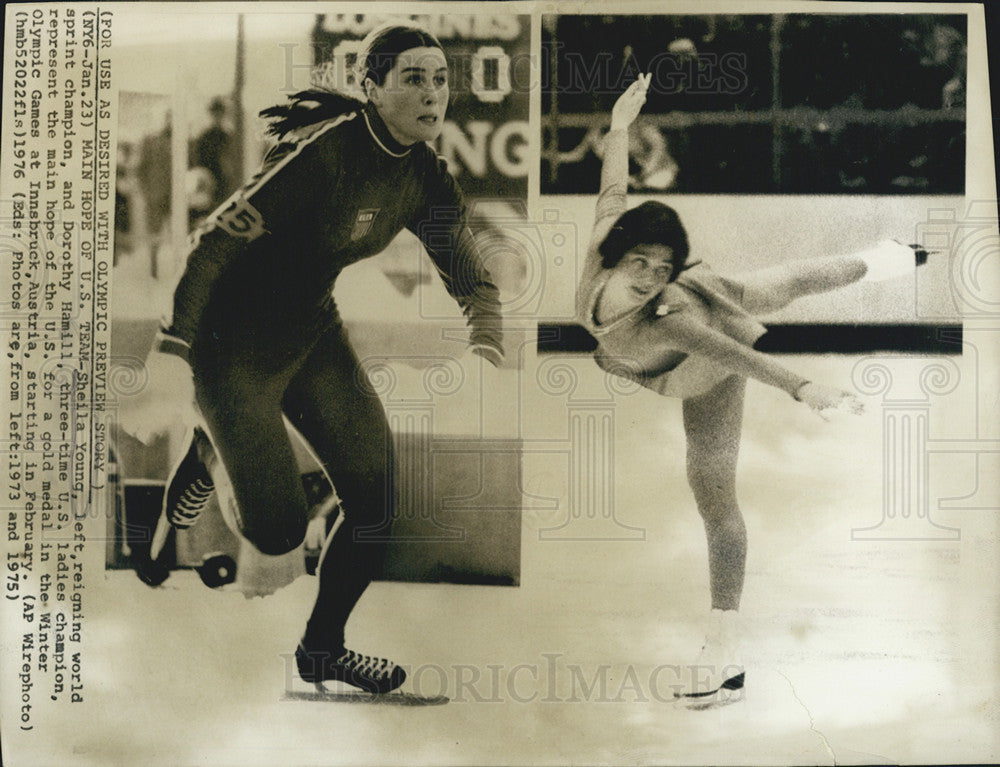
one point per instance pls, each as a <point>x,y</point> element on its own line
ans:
<point>382,46</point>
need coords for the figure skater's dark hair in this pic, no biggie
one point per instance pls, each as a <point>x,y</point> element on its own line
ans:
<point>651,223</point>
<point>378,56</point>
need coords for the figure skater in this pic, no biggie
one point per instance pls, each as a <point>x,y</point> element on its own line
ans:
<point>676,327</point>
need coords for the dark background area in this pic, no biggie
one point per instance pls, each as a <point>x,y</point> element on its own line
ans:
<point>795,103</point>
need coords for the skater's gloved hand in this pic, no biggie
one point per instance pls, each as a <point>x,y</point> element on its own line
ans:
<point>821,397</point>
<point>166,401</point>
<point>627,107</point>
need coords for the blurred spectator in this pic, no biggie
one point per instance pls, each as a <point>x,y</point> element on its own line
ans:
<point>126,189</point>
<point>154,175</point>
<point>651,166</point>
<point>946,56</point>
<point>213,162</point>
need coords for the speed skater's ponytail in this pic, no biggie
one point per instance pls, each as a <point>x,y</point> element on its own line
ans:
<point>308,107</point>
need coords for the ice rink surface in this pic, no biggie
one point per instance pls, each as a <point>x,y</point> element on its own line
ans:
<point>857,651</point>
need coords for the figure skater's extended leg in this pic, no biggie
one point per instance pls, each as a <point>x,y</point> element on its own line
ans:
<point>334,406</point>
<point>771,289</point>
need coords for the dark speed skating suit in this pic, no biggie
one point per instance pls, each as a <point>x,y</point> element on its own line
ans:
<point>254,315</point>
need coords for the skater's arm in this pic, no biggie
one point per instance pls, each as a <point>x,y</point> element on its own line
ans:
<point>612,200</point>
<point>208,259</point>
<point>277,199</point>
<point>681,332</point>
<point>443,228</point>
<point>611,203</point>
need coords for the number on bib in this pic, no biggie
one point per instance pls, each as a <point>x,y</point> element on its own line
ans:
<point>241,220</point>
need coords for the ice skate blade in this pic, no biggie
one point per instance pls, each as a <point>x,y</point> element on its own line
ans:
<point>341,692</point>
<point>730,692</point>
<point>717,700</point>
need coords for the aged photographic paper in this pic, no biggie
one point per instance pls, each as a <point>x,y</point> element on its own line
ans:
<point>230,355</point>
